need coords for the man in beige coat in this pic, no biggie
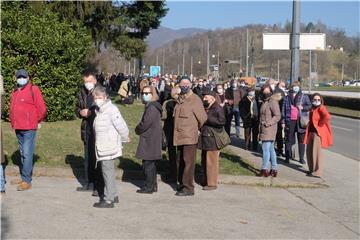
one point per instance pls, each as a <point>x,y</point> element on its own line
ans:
<point>189,116</point>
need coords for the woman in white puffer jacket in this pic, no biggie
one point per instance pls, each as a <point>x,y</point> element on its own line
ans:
<point>110,132</point>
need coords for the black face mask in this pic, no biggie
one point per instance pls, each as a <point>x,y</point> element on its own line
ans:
<point>206,103</point>
<point>266,95</point>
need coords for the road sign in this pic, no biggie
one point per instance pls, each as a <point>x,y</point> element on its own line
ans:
<point>281,41</point>
<point>232,61</point>
<point>154,71</point>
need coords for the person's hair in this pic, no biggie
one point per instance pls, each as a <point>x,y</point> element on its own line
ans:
<point>100,91</point>
<point>219,84</point>
<point>175,91</point>
<point>319,95</point>
<point>295,83</point>
<point>266,85</point>
<point>153,92</point>
<point>89,72</point>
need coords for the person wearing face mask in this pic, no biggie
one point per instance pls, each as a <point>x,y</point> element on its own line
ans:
<point>210,152</point>
<point>149,149</point>
<point>270,115</point>
<point>233,96</point>
<point>168,118</point>
<point>318,135</point>
<point>281,91</point>
<point>189,116</point>
<point>295,105</point>
<point>111,132</point>
<point>220,95</point>
<point>85,110</point>
<point>198,90</point>
<point>27,110</point>
<point>249,113</point>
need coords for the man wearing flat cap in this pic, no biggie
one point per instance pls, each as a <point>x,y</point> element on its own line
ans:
<point>189,116</point>
<point>27,110</point>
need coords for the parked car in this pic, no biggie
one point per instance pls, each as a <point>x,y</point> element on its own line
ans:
<point>355,83</point>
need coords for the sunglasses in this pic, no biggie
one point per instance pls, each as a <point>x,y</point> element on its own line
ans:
<point>146,93</point>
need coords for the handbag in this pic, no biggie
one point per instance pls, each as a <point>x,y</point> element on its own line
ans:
<point>222,139</point>
<point>304,116</point>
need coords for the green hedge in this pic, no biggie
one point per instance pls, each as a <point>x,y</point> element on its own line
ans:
<point>52,51</point>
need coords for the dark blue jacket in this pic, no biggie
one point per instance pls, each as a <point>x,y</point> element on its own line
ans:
<point>286,108</point>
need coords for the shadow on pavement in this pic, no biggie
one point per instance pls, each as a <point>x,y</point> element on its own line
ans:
<point>77,165</point>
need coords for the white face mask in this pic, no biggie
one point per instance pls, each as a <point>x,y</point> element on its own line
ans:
<point>316,103</point>
<point>242,84</point>
<point>272,87</point>
<point>89,86</point>
<point>283,89</point>
<point>99,102</point>
<point>251,94</point>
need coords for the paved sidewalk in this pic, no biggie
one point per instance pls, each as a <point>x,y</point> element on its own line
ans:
<point>53,209</point>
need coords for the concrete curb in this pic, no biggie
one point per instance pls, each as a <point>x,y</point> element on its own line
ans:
<point>138,176</point>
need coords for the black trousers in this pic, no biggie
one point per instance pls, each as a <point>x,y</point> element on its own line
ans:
<point>290,141</point>
<point>279,139</point>
<point>251,133</point>
<point>149,170</point>
<point>94,171</point>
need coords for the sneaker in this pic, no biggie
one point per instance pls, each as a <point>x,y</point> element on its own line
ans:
<point>184,193</point>
<point>104,204</point>
<point>16,181</point>
<point>116,199</point>
<point>24,186</point>
<point>302,161</point>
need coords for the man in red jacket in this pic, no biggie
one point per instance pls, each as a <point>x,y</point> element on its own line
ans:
<point>27,110</point>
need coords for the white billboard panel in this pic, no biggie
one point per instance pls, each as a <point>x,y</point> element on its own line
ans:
<point>312,41</point>
<point>281,41</point>
<point>276,41</point>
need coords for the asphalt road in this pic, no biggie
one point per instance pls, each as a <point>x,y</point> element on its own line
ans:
<point>337,93</point>
<point>346,134</point>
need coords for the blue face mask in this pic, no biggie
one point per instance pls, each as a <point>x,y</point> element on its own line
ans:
<point>147,98</point>
<point>21,81</point>
<point>296,89</point>
<point>184,89</point>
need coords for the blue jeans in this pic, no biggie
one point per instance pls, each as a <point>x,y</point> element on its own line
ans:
<point>268,153</point>
<point>2,179</point>
<point>26,139</point>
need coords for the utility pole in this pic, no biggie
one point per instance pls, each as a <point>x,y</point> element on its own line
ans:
<point>183,63</point>
<point>240,61</point>
<point>134,66</point>
<point>310,80</point>
<point>157,60</point>
<point>247,53</point>
<point>208,59</point>
<point>342,72</point>
<point>191,65</point>
<point>295,42</point>
<point>163,64</point>
<point>278,71</point>
<point>218,65</point>
<point>178,69</point>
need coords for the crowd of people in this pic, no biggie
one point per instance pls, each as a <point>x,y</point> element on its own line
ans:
<point>181,115</point>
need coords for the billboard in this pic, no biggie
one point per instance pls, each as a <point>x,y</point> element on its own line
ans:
<point>154,71</point>
<point>281,41</point>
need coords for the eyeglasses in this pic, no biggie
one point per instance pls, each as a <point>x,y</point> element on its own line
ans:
<point>146,93</point>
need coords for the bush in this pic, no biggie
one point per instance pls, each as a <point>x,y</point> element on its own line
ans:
<point>53,53</point>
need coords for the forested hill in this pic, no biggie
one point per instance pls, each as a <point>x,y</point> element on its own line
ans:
<point>231,44</point>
